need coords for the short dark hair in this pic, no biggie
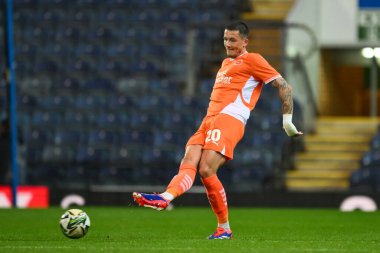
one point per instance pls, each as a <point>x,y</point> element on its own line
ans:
<point>238,26</point>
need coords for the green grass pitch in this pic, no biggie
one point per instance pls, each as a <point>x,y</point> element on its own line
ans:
<point>132,229</point>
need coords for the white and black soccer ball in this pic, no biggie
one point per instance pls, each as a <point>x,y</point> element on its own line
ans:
<point>74,223</point>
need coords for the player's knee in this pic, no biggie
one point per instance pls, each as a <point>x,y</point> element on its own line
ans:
<point>192,155</point>
<point>206,171</point>
<point>190,160</point>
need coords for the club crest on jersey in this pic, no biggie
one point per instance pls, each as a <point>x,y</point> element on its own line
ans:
<point>222,77</point>
<point>238,62</point>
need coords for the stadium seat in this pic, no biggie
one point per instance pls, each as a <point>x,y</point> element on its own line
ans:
<point>168,138</point>
<point>375,142</point>
<point>69,85</point>
<point>63,136</point>
<point>27,101</point>
<point>371,157</point>
<point>56,102</point>
<point>92,156</point>
<point>37,138</point>
<point>46,119</point>
<point>88,102</point>
<point>74,119</point>
<point>138,138</point>
<point>119,102</point>
<point>103,138</point>
<point>366,180</point>
<point>56,154</point>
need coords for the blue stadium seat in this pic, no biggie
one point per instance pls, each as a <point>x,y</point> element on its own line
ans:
<point>89,50</point>
<point>56,154</point>
<point>70,84</point>
<point>112,17</point>
<point>149,67</point>
<point>88,102</point>
<point>366,180</point>
<point>169,138</point>
<point>101,33</point>
<point>375,141</point>
<point>137,137</point>
<point>174,120</point>
<point>103,138</point>
<point>80,66</point>
<point>117,49</point>
<point>51,15</point>
<point>55,102</point>
<point>63,136</point>
<point>168,33</point>
<point>72,33</point>
<point>74,119</point>
<point>181,16</point>
<point>26,49</point>
<point>121,155</point>
<point>34,156</point>
<point>118,102</point>
<point>84,154</point>
<point>38,137</point>
<point>46,119</point>
<point>370,158</point>
<point>157,101</point>
<point>139,120</point>
<point>48,65</point>
<point>27,102</point>
<point>82,17</point>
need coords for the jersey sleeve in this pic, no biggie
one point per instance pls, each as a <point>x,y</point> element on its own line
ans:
<point>262,70</point>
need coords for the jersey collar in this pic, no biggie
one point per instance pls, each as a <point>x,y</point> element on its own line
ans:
<point>232,59</point>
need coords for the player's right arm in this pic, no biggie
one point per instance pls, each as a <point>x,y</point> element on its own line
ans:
<point>285,94</point>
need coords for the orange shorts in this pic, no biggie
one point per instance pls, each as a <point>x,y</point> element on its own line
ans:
<point>220,133</point>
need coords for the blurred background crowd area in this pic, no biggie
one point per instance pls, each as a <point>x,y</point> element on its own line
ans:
<point>103,94</point>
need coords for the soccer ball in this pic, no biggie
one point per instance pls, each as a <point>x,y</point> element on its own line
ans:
<point>74,223</point>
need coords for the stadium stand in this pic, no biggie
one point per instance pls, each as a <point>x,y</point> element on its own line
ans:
<point>101,94</point>
<point>367,177</point>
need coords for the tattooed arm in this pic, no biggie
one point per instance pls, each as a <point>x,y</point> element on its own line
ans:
<point>285,94</point>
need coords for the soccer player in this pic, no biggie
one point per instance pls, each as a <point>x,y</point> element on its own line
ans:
<point>236,90</point>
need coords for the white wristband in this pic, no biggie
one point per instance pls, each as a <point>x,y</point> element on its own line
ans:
<point>288,126</point>
<point>287,118</point>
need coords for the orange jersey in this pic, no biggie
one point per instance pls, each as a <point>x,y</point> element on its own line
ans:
<point>238,85</point>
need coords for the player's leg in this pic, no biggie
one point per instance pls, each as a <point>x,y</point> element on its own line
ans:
<point>184,178</point>
<point>210,162</point>
<point>183,181</point>
<point>178,185</point>
<point>221,140</point>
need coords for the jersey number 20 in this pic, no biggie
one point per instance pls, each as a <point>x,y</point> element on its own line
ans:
<point>213,135</point>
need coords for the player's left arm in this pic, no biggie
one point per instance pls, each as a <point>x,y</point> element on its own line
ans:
<point>285,94</point>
